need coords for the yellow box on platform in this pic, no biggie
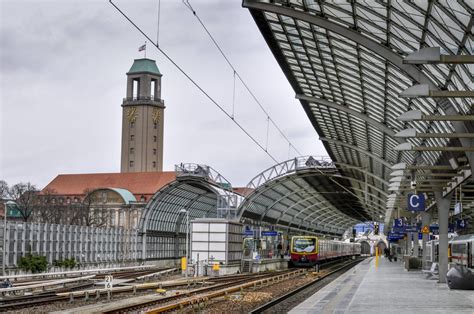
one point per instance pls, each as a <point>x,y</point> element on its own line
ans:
<point>216,267</point>
<point>184,263</point>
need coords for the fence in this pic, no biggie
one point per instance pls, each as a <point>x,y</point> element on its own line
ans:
<point>58,242</point>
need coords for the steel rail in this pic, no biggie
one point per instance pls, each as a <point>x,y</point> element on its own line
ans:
<point>286,296</point>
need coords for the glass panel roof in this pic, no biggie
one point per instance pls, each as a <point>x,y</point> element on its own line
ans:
<point>330,64</point>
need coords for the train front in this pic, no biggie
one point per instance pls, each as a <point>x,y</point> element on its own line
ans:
<point>304,251</point>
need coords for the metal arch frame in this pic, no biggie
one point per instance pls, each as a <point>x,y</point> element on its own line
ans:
<point>362,116</point>
<point>363,151</point>
<point>190,202</point>
<point>275,181</point>
<point>285,167</point>
<point>314,195</point>
<point>359,181</point>
<point>360,39</point>
<point>283,197</point>
<point>164,191</point>
<point>360,169</point>
<point>345,222</point>
<point>300,13</point>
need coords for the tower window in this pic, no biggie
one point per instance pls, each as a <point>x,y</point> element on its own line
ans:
<point>152,88</point>
<point>155,125</point>
<point>132,150</point>
<point>132,137</point>
<point>154,164</point>
<point>154,151</point>
<point>135,88</point>
<point>154,138</point>
<point>131,163</point>
<point>132,125</point>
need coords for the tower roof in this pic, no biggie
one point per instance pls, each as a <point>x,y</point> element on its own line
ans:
<point>144,65</point>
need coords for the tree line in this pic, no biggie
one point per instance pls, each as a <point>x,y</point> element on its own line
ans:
<point>47,206</point>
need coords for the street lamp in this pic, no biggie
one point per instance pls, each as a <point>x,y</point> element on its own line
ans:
<point>184,211</point>
<point>5,211</point>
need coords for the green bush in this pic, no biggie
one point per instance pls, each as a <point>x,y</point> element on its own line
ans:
<point>33,263</point>
<point>67,263</point>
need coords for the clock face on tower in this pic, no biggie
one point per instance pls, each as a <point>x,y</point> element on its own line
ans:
<point>132,114</point>
<point>156,115</point>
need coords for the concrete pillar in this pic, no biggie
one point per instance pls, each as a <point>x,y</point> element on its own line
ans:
<point>415,239</point>
<point>425,221</point>
<point>443,217</point>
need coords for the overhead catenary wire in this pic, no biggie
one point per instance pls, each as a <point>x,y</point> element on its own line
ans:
<point>192,81</point>
<point>236,73</point>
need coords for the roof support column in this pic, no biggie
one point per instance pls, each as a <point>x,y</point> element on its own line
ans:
<point>415,239</point>
<point>443,217</point>
<point>425,221</point>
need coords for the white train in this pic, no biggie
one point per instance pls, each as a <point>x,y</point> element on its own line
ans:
<point>461,250</point>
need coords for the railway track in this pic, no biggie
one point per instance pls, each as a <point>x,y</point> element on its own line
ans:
<point>292,298</point>
<point>195,296</point>
<point>9,303</point>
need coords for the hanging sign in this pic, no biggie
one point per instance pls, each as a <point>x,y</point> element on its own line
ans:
<point>461,224</point>
<point>425,230</point>
<point>416,202</point>
<point>398,222</point>
<point>458,208</point>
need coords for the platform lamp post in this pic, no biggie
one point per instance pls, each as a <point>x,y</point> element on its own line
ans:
<point>185,211</point>
<point>5,211</point>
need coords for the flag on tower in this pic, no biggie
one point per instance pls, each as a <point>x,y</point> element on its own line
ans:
<point>141,48</point>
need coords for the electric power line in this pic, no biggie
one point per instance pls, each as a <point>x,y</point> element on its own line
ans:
<point>189,6</point>
<point>193,82</point>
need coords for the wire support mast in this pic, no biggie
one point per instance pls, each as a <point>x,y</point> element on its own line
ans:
<point>193,82</point>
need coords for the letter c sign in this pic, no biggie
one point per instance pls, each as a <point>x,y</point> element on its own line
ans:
<point>416,202</point>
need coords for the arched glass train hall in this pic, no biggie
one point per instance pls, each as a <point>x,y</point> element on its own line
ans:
<point>388,87</point>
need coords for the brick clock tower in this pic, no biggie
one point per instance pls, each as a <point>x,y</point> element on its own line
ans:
<point>142,119</point>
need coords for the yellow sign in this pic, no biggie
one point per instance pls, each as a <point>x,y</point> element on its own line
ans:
<point>184,263</point>
<point>425,230</point>
<point>216,266</point>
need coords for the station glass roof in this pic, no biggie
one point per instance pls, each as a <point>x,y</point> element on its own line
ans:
<point>344,60</point>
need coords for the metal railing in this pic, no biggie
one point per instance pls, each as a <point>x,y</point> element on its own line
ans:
<point>202,171</point>
<point>147,98</point>
<point>289,166</point>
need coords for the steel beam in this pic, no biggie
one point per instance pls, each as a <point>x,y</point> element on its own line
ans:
<point>379,126</point>
<point>363,151</point>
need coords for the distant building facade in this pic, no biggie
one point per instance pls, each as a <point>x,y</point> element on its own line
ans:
<point>103,199</point>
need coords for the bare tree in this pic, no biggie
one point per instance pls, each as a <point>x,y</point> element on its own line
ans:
<point>25,195</point>
<point>91,212</point>
<point>3,189</point>
<point>50,211</point>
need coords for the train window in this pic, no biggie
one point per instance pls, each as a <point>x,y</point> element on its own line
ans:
<point>307,245</point>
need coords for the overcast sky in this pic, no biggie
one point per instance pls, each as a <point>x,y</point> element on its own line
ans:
<point>63,66</point>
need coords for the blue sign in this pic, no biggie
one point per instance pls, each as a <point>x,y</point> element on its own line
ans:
<point>435,229</point>
<point>405,229</point>
<point>269,233</point>
<point>398,222</point>
<point>461,224</point>
<point>416,202</point>
<point>394,236</point>
<point>248,232</point>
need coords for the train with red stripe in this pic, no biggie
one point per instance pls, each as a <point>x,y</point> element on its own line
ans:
<point>310,250</point>
<point>460,250</point>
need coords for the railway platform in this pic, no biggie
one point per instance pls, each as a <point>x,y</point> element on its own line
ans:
<point>386,288</point>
